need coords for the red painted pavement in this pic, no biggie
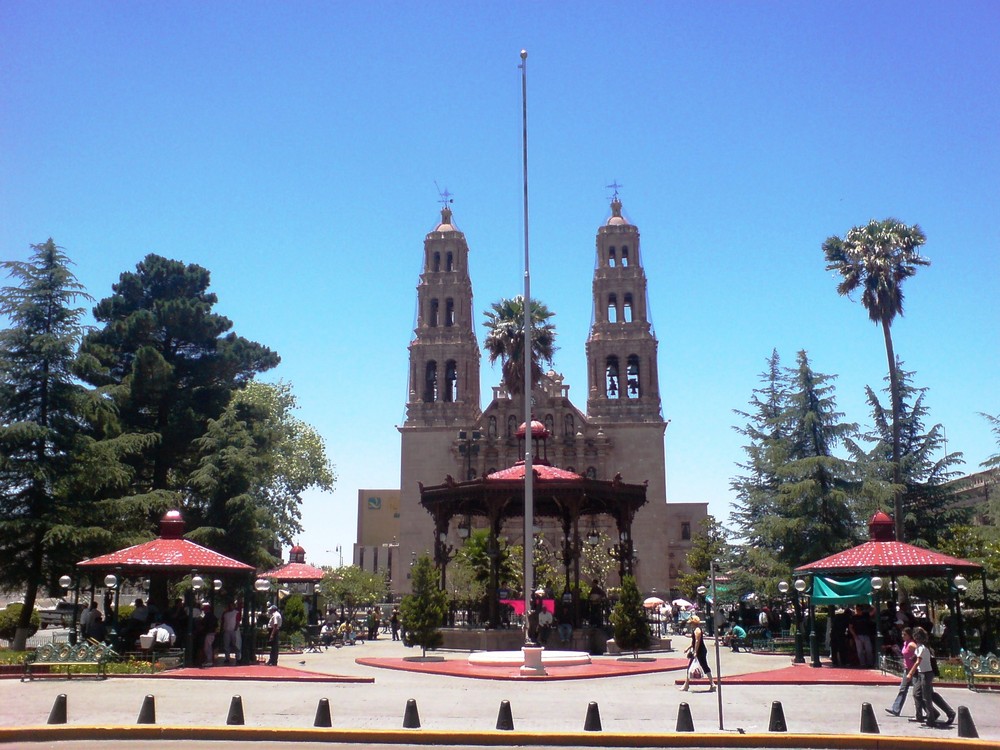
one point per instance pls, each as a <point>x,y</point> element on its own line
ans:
<point>460,667</point>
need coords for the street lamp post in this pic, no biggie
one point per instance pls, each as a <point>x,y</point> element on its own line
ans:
<point>876,588</point>
<point>261,586</point>
<point>66,582</point>
<point>960,584</point>
<point>111,581</point>
<point>468,448</point>
<point>813,640</point>
<point>800,586</point>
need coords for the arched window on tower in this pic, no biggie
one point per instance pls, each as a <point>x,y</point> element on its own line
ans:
<point>450,381</point>
<point>449,262</point>
<point>449,312</point>
<point>612,308</point>
<point>434,313</point>
<point>611,383</point>
<point>437,261</point>
<point>632,372</point>
<point>624,256</point>
<point>627,311</point>
<point>611,257</point>
<point>569,429</point>
<point>431,382</point>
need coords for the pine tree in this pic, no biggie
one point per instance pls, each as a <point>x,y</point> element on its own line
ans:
<point>814,506</point>
<point>765,428</point>
<point>170,362</point>
<point>41,425</point>
<point>423,612</point>
<point>927,500</point>
<point>628,618</point>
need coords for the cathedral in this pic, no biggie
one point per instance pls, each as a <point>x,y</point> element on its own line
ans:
<point>447,433</point>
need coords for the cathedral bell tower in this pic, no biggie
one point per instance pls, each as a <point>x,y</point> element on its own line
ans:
<point>443,392</point>
<point>621,351</point>
<point>444,353</point>
<point>623,400</point>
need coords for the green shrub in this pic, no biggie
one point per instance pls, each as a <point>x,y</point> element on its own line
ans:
<point>125,612</point>
<point>9,618</point>
<point>294,614</point>
<point>629,620</point>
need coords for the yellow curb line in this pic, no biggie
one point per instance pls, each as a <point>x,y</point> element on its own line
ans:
<point>67,733</point>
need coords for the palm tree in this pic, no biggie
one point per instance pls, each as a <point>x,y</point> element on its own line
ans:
<point>505,340</point>
<point>878,257</point>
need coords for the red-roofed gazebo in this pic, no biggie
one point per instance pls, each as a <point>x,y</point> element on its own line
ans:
<point>882,555</point>
<point>559,494</point>
<point>167,558</point>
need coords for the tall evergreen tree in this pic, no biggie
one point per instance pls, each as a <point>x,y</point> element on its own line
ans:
<point>765,428</point>
<point>928,505</point>
<point>52,470</point>
<point>170,362</point>
<point>813,512</point>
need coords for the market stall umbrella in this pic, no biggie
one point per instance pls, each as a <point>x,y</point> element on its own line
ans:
<point>682,603</point>
<point>652,602</point>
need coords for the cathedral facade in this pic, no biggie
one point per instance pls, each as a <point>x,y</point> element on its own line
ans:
<point>447,432</point>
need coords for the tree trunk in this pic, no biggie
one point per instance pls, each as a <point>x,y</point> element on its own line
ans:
<point>897,495</point>
<point>23,631</point>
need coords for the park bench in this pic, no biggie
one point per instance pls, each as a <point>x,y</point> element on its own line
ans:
<point>983,668</point>
<point>758,639</point>
<point>58,655</point>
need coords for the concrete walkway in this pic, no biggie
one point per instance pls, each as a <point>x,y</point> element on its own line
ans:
<point>639,703</point>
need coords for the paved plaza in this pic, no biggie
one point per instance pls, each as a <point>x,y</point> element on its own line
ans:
<point>630,704</point>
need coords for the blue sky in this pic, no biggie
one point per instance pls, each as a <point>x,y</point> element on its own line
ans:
<point>293,148</point>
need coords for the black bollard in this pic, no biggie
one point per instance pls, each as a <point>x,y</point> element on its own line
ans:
<point>58,713</point>
<point>323,717</point>
<point>147,714</point>
<point>777,723</point>
<point>505,721</point>
<point>966,726</point>
<point>593,721</point>
<point>411,719</point>
<point>235,711</point>
<point>684,721</point>
<point>869,724</point>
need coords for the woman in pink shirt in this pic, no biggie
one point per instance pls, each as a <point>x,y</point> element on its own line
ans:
<point>909,652</point>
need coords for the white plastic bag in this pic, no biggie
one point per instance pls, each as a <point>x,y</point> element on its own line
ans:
<point>694,671</point>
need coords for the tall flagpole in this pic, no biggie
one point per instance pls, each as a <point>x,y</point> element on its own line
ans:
<point>529,504</point>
